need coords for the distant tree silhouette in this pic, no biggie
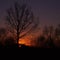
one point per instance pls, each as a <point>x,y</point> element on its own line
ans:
<point>57,36</point>
<point>39,42</point>
<point>45,31</point>
<point>49,32</point>
<point>2,33</point>
<point>57,31</point>
<point>10,42</point>
<point>20,20</point>
<point>50,43</point>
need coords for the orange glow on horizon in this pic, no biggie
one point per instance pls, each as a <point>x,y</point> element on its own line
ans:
<point>25,42</point>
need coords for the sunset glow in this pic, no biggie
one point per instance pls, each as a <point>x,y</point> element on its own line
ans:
<point>25,42</point>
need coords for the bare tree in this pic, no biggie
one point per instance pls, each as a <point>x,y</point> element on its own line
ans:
<point>48,31</point>
<point>2,33</point>
<point>51,31</point>
<point>45,31</point>
<point>57,31</point>
<point>20,20</point>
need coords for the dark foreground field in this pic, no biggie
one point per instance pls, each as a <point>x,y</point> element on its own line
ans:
<point>24,46</point>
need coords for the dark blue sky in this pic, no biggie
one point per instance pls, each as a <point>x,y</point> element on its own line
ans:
<point>47,10</point>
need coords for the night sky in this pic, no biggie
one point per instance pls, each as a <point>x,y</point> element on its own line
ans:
<point>47,10</point>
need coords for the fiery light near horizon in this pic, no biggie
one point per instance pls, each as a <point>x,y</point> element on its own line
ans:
<point>28,40</point>
<point>25,42</point>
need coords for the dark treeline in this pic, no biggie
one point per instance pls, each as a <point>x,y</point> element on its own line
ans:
<point>50,38</point>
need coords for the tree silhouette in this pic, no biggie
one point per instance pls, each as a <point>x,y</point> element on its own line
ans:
<point>41,41</point>
<point>45,31</point>
<point>57,31</point>
<point>48,31</point>
<point>51,31</point>
<point>9,42</point>
<point>2,33</point>
<point>20,20</point>
<point>57,36</point>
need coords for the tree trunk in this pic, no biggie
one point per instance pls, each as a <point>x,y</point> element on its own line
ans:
<point>18,35</point>
<point>17,39</point>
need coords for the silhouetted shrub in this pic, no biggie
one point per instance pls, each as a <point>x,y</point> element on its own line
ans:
<point>50,43</point>
<point>40,41</point>
<point>10,42</point>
